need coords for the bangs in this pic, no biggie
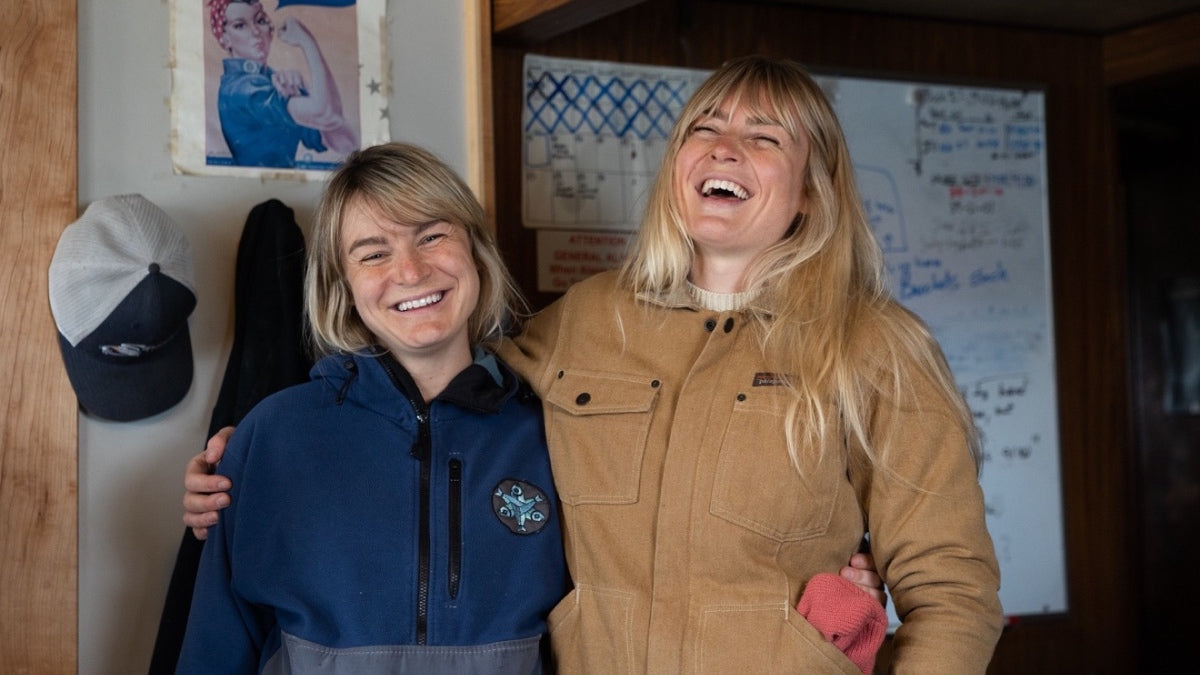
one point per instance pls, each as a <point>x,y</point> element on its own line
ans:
<point>397,203</point>
<point>765,94</point>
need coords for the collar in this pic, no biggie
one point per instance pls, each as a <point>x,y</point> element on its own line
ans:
<point>720,302</point>
<point>482,386</point>
<point>246,67</point>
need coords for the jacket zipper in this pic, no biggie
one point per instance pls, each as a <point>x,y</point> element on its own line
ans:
<point>422,450</point>
<point>454,571</point>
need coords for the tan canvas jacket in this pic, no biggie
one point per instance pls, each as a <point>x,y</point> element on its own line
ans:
<point>688,533</point>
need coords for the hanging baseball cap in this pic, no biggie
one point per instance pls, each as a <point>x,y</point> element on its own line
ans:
<point>121,291</point>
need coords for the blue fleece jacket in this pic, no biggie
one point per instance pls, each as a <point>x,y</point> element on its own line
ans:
<point>370,533</point>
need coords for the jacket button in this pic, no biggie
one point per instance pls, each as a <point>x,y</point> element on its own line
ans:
<point>741,397</point>
<point>728,324</point>
<point>654,384</point>
<point>583,398</point>
<point>710,325</point>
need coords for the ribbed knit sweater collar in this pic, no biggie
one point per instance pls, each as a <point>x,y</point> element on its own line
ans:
<point>720,302</point>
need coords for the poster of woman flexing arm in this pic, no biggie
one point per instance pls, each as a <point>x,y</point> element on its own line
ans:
<point>283,86</point>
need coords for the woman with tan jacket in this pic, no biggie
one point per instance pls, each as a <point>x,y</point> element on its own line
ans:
<point>731,409</point>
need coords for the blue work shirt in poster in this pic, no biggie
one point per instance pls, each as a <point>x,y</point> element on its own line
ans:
<point>255,120</point>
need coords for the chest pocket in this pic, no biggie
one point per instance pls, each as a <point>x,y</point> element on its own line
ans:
<point>757,487</point>
<point>596,425</point>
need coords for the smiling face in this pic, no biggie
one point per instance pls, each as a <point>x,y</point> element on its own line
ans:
<point>739,183</point>
<point>248,31</point>
<point>414,285</point>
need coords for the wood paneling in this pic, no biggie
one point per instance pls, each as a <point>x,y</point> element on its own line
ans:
<point>478,56</point>
<point>1087,243</point>
<point>1152,50</point>
<point>38,465</point>
<point>535,20</point>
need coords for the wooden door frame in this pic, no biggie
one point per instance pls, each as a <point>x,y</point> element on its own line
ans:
<point>39,447</point>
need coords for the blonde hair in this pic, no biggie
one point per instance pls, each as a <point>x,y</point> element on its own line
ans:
<point>820,286</point>
<point>406,184</point>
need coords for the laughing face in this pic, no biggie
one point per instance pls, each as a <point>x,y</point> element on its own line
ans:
<point>414,285</point>
<point>739,183</point>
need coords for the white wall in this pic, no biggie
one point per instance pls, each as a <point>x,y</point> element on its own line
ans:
<point>130,474</point>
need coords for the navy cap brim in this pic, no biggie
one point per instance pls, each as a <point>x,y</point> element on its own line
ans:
<point>128,391</point>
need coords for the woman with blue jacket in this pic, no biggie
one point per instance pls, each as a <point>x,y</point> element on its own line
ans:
<point>397,512</point>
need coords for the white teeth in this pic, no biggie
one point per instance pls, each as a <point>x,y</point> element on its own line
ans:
<point>419,302</point>
<point>712,185</point>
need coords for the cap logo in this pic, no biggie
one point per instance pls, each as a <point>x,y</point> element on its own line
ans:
<point>521,506</point>
<point>126,350</point>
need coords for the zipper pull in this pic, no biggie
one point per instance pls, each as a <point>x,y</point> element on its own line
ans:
<point>422,447</point>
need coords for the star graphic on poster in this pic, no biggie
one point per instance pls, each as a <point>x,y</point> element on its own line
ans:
<point>374,86</point>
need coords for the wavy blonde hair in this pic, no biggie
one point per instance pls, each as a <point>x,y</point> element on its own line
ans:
<point>406,184</point>
<point>820,286</point>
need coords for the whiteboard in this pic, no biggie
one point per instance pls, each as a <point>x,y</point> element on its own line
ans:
<point>954,183</point>
<point>953,180</point>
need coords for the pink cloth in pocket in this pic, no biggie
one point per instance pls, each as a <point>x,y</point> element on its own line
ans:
<point>849,618</point>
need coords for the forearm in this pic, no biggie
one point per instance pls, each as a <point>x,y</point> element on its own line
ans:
<point>944,579</point>
<point>322,91</point>
<point>926,516</point>
<point>321,107</point>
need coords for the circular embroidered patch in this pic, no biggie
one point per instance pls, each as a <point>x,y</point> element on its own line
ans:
<point>521,506</point>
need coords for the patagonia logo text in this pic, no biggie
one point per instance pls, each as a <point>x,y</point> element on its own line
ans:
<point>769,380</point>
